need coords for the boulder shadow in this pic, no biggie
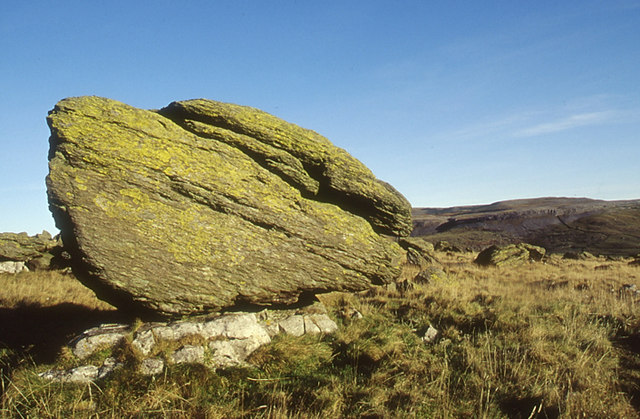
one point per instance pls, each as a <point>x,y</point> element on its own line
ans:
<point>37,332</point>
<point>629,382</point>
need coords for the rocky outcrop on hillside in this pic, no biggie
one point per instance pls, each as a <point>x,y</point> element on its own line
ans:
<point>558,224</point>
<point>19,251</point>
<point>204,206</point>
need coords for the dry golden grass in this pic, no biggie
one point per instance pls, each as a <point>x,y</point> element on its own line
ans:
<point>555,339</point>
<point>46,288</point>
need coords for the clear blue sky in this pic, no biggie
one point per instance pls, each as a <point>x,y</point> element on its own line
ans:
<point>452,102</point>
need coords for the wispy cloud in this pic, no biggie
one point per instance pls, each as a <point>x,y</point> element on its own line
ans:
<point>534,123</point>
<point>568,122</point>
<point>489,127</point>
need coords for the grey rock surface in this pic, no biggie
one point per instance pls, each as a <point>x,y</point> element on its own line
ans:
<point>94,339</point>
<point>82,374</point>
<point>151,366</point>
<point>190,354</point>
<point>12,267</point>
<point>219,342</point>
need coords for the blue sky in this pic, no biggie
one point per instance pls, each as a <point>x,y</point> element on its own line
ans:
<point>452,102</point>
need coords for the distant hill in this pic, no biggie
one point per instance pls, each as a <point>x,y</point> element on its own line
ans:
<point>557,224</point>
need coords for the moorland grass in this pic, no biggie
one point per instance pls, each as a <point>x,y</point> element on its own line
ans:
<point>554,339</point>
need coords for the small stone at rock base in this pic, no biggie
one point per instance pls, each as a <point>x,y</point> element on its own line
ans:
<point>298,325</point>
<point>144,342</point>
<point>108,366</point>
<point>236,326</point>
<point>293,325</point>
<point>351,313</point>
<point>98,337</point>
<point>629,289</point>
<point>188,354</point>
<point>231,353</point>
<point>177,330</point>
<point>151,366</point>
<point>83,374</point>
<point>309,326</point>
<point>419,252</point>
<point>430,335</point>
<point>323,323</point>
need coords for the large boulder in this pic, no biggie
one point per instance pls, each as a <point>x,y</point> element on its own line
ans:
<point>204,206</point>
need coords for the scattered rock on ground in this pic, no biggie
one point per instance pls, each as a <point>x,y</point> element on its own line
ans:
<point>12,267</point>
<point>578,256</point>
<point>205,206</point>
<point>84,373</point>
<point>510,255</point>
<point>104,336</point>
<point>430,335</point>
<point>629,289</point>
<point>445,246</point>
<point>350,313</point>
<point>419,252</point>
<point>429,275</point>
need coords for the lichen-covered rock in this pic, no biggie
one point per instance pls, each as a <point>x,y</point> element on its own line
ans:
<point>445,246</point>
<point>510,255</point>
<point>299,156</point>
<point>180,221</point>
<point>430,274</point>
<point>420,252</point>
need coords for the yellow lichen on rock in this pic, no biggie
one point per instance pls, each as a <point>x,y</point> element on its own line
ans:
<point>160,218</point>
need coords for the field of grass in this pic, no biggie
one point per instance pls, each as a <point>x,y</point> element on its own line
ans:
<point>554,339</point>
